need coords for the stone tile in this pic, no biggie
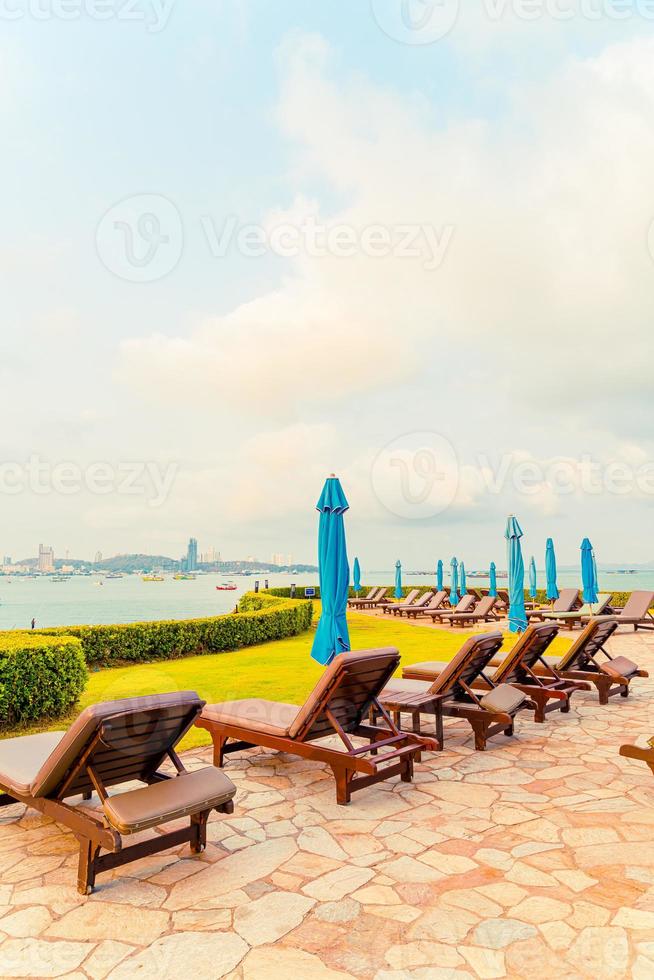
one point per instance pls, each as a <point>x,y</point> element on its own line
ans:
<point>268,963</point>
<point>271,917</point>
<point>499,933</point>
<point>26,922</point>
<point>316,840</point>
<point>105,957</point>
<point>211,955</point>
<point>103,920</point>
<point>337,884</point>
<point>37,958</point>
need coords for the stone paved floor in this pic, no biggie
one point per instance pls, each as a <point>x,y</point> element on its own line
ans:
<point>532,859</point>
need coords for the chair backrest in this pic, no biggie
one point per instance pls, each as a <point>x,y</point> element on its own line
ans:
<point>374,594</point>
<point>413,594</point>
<point>638,605</point>
<point>567,600</point>
<point>596,608</point>
<point>467,665</point>
<point>437,600</point>
<point>504,597</point>
<point>381,595</point>
<point>485,605</point>
<point>466,603</point>
<point>346,690</point>
<point>371,592</point>
<point>424,600</point>
<point>588,643</point>
<point>525,653</point>
<point>121,740</point>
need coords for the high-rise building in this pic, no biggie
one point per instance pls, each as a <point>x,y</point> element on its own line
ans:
<point>46,559</point>
<point>278,559</point>
<point>192,555</point>
<point>98,557</point>
<point>6,560</point>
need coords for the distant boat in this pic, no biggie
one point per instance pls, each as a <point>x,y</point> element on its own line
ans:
<point>153,578</point>
<point>114,575</point>
<point>226,587</point>
<point>184,577</point>
<point>60,578</point>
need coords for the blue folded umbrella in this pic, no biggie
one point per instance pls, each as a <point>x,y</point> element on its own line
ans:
<point>516,568</point>
<point>454,588</point>
<point>398,579</point>
<point>439,576</point>
<point>533,591</point>
<point>356,576</point>
<point>550,571</point>
<point>462,578</point>
<point>332,635</point>
<point>492,576</point>
<point>588,572</point>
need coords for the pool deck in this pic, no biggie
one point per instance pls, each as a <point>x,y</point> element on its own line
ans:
<point>532,859</point>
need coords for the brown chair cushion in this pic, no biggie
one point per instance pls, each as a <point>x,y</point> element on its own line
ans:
<point>504,697</point>
<point>398,685</point>
<point>428,670</point>
<point>268,717</point>
<point>22,757</point>
<point>171,799</point>
<point>620,666</point>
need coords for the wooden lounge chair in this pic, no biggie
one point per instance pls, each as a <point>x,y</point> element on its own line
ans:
<point>450,692</point>
<point>636,612</point>
<point>338,705</point>
<point>465,605</point>
<point>568,601</point>
<point>503,600</point>
<point>483,612</point>
<point>582,662</point>
<point>645,753</point>
<point>413,608</point>
<point>402,603</point>
<point>372,596</point>
<point>379,600</point>
<point>548,689</point>
<point>112,743</point>
<point>437,601</point>
<point>585,611</point>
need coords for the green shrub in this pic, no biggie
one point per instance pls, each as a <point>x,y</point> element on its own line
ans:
<point>40,676</point>
<point>260,618</point>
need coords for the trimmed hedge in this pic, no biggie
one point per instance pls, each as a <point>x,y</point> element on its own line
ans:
<point>40,676</point>
<point>260,618</point>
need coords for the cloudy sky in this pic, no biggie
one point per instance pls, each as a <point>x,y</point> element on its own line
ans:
<point>247,244</point>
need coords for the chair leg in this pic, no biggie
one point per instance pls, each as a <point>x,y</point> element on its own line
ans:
<point>88,851</point>
<point>199,831</point>
<point>219,742</point>
<point>343,792</point>
<point>479,728</point>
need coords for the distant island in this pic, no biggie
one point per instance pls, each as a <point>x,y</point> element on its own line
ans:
<point>152,563</point>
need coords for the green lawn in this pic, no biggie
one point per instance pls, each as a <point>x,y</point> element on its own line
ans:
<point>281,670</point>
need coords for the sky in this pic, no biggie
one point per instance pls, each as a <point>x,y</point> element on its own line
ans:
<point>248,244</point>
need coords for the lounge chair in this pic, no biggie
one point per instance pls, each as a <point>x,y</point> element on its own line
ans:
<point>568,601</point>
<point>483,612</point>
<point>109,744</point>
<point>548,689</point>
<point>465,605</point>
<point>436,602</point>
<point>338,705</point>
<point>576,617</point>
<point>372,596</point>
<point>503,600</point>
<point>402,603</point>
<point>413,608</point>
<point>645,753</point>
<point>581,663</point>
<point>446,689</point>
<point>636,612</point>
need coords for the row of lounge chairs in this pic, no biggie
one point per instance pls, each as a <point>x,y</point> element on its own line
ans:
<point>357,698</point>
<point>568,610</point>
